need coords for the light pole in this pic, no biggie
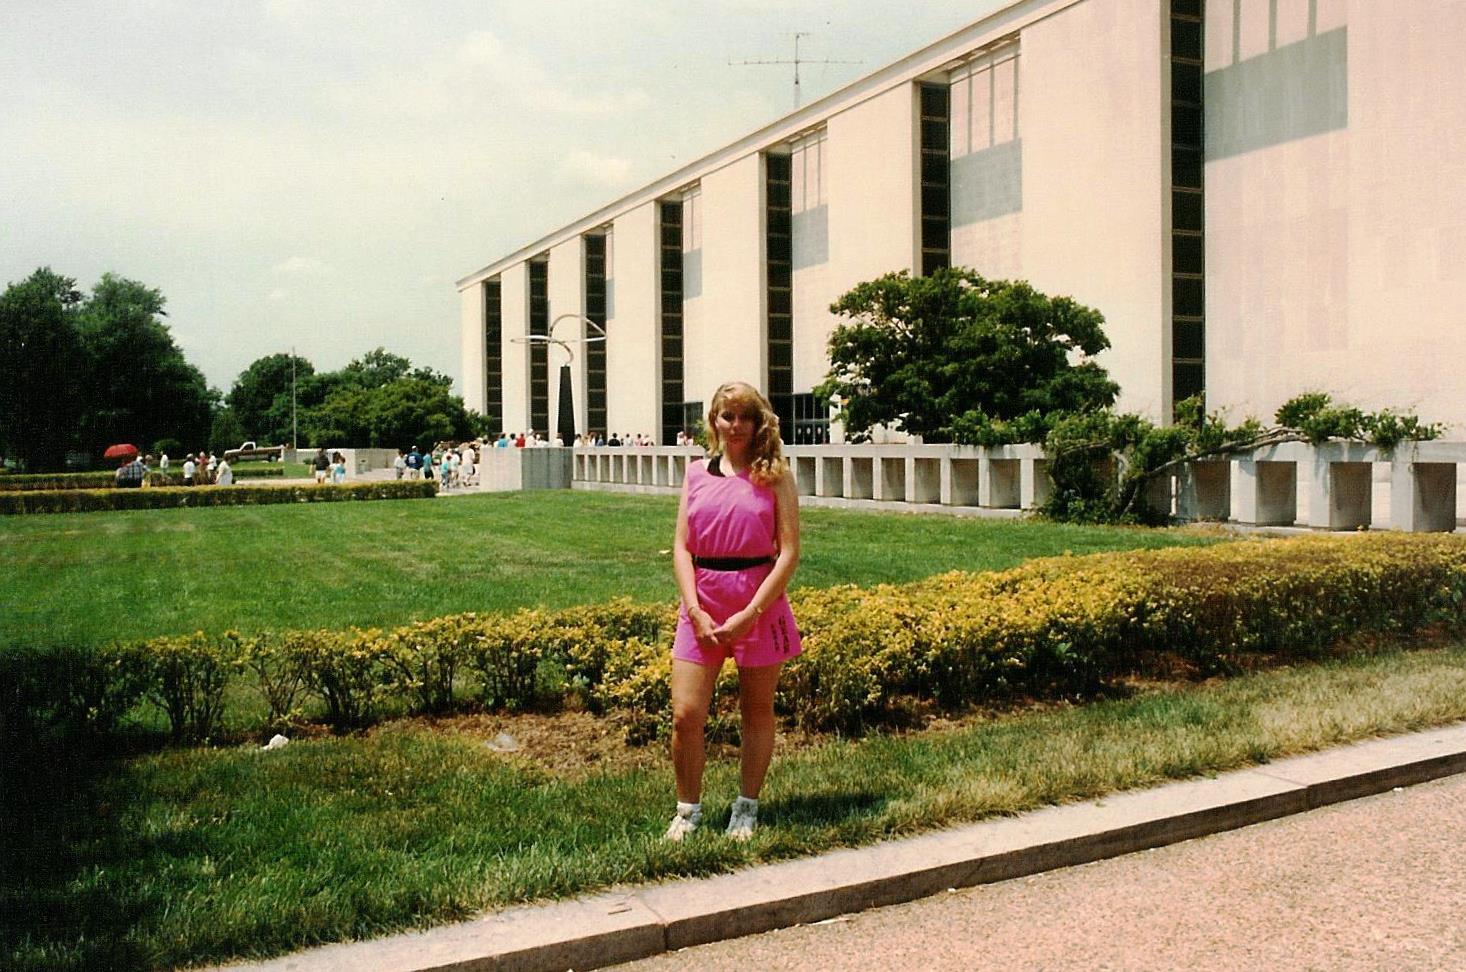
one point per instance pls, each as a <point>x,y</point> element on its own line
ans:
<point>566,424</point>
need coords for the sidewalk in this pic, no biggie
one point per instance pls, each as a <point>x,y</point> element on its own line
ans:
<point>636,923</point>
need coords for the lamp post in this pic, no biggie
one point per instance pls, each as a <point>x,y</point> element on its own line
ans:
<point>566,424</point>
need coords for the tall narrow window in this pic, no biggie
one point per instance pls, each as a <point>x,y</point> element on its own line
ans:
<point>539,351</point>
<point>1188,222</point>
<point>670,253</point>
<point>779,276</point>
<point>935,172</point>
<point>494,355</point>
<point>595,351</point>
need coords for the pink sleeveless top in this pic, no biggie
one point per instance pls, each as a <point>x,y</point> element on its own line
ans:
<point>732,516</point>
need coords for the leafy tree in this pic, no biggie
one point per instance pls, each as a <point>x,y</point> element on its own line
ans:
<point>947,356</point>
<point>260,396</point>
<point>41,360</point>
<point>227,432</point>
<point>376,368</point>
<point>140,387</point>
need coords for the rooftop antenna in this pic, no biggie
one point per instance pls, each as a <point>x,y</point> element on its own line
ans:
<point>796,62</point>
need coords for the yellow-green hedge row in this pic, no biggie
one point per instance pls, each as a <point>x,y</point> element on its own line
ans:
<point>107,479</point>
<point>1051,628</point>
<point>77,480</point>
<point>171,497</point>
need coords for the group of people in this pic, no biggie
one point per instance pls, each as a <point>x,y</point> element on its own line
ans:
<point>638,440</point>
<point>199,469</point>
<point>452,465</point>
<point>526,440</point>
<point>329,469</point>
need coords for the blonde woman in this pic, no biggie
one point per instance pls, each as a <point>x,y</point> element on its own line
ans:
<point>736,547</point>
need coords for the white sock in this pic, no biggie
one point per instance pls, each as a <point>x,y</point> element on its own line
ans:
<point>692,811</point>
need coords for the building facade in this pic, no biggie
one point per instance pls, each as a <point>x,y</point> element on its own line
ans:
<point>1262,197</point>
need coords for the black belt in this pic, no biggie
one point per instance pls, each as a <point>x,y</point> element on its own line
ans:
<point>730,563</point>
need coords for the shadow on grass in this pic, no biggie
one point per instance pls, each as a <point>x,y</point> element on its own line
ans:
<point>823,809</point>
<point>63,833</point>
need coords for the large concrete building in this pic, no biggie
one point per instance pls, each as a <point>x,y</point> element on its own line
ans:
<point>1261,196</point>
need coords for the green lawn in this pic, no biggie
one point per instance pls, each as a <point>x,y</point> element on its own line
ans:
<point>90,577</point>
<point>201,855</point>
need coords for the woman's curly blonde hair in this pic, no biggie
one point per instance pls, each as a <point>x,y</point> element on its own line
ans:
<point>767,464</point>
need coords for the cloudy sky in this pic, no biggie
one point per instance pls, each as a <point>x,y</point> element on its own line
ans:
<point>317,173</point>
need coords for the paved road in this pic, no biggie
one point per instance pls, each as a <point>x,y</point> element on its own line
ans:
<point>1376,883</point>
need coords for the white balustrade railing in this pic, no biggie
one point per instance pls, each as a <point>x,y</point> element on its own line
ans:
<point>1335,486</point>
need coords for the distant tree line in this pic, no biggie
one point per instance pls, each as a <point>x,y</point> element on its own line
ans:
<point>378,400</point>
<point>84,371</point>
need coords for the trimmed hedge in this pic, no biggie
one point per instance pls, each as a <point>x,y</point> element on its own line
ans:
<point>81,480</point>
<point>107,479</point>
<point>276,471</point>
<point>1052,628</point>
<point>172,497</point>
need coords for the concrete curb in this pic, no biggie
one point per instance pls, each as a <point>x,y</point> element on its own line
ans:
<point>636,923</point>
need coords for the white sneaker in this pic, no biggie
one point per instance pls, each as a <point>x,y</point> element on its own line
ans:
<point>743,819</point>
<point>683,824</point>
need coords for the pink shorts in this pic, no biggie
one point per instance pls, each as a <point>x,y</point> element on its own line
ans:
<point>774,637</point>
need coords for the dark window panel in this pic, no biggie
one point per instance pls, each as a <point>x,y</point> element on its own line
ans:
<point>1186,81</point>
<point>1186,39</point>
<point>1188,297</point>
<point>1188,254</point>
<point>1188,340</point>
<point>935,100</point>
<point>1187,211</point>
<point>1188,378</point>
<point>1187,8</point>
<point>1186,167</point>
<point>1186,126</point>
<point>933,169</point>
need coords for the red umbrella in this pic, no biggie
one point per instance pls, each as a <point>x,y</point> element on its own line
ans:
<point>123,450</point>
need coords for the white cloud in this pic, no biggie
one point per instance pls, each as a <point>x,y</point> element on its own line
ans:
<point>278,294</point>
<point>598,170</point>
<point>298,266</point>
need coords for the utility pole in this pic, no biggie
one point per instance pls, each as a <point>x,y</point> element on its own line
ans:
<point>294,434</point>
<point>796,62</point>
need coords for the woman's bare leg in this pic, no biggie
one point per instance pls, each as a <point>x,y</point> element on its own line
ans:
<point>756,702</point>
<point>692,693</point>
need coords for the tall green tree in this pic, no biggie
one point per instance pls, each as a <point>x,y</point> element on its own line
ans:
<point>946,356</point>
<point>41,361</point>
<point>260,396</point>
<point>140,387</point>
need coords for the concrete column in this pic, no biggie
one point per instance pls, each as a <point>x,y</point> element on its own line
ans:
<point>963,483</point>
<point>1341,492</point>
<point>829,476</point>
<point>1264,493</point>
<point>1423,496</point>
<point>924,480</point>
<point>1033,483</point>
<point>1204,490</point>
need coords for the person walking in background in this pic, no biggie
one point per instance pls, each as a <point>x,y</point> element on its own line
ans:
<point>736,547</point>
<point>468,469</point>
<point>338,469</point>
<point>399,465</point>
<point>224,475</point>
<point>321,464</point>
<point>189,468</point>
<point>131,475</point>
<point>414,464</point>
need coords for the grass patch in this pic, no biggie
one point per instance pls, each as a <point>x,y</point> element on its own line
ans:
<point>203,855</point>
<point>87,578</point>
